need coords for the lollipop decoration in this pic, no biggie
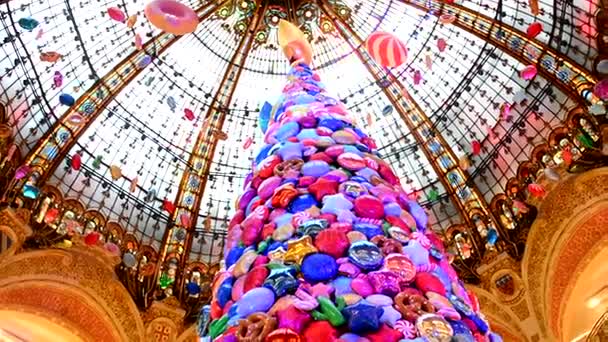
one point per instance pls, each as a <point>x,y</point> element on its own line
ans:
<point>325,243</point>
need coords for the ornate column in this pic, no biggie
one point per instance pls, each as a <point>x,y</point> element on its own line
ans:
<point>53,147</point>
<point>178,236</point>
<point>480,223</point>
<point>560,70</point>
<point>324,222</point>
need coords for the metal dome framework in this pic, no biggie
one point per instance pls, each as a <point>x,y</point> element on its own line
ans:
<point>225,71</point>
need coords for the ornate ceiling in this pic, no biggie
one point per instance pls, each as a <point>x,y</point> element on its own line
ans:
<point>144,119</point>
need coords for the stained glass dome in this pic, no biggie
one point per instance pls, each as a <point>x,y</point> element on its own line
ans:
<point>455,121</point>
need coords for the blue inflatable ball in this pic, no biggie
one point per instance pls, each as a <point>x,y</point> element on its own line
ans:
<point>264,116</point>
<point>262,154</point>
<point>362,147</point>
<point>352,149</point>
<point>460,328</point>
<point>273,246</point>
<point>418,214</point>
<point>331,123</point>
<point>259,299</point>
<point>370,230</point>
<point>67,100</point>
<point>308,133</point>
<point>233,255</point>
<point>387,110</point>
<point>279,111</point>
<point>304,99</point>
<point>224,292</point>
<point>359,132</point>
<point>301,203</point>
<point>287,131</point>
<point>482,326</point>
<point>392,209</point>
<point>319,267</point>
<point>315,168</point>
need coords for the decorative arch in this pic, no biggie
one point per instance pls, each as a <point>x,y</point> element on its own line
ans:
<point>566,233</point>
<point>77,286</point>
<point>502,319</point>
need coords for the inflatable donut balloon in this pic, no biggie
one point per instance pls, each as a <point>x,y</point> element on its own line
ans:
<point>386,49</point>
<point>171,16</point>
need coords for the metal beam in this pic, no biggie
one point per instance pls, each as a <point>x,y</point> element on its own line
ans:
<point>572,78</point>
<point>194,180</point>
<point>54,146</point>
<point>467,198</point>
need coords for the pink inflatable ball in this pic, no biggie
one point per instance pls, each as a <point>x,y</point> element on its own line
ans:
<point>268,186</point>
<point>369,207</point>
<point>528,72</point>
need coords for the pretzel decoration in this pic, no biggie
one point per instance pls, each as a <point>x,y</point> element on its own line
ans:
<point>387,245</point>
<point>412,305</point>
<point>289,166</point>
<point>255,328</point>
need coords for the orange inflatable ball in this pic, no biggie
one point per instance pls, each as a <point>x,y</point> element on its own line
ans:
<point>171,16</point>
<point>386,49</point>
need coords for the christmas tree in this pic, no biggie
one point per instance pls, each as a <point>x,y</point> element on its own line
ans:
<point>325,244</point>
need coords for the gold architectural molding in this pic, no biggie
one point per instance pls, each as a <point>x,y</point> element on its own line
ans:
<point>560,211</point>
<point>78,284</point>
<point>16,228</point>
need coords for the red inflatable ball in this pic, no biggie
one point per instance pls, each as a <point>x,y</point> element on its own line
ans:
<point>427,282</point>
<point>386,49</point>
<point>320,331</point>
<point>534,30</point>
<point>333,242</point>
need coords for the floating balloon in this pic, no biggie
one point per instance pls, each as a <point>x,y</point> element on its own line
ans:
<point>417,77</point>
<point>117,14</point>
<point>293,42</point>
<point>76,162</point>
<point>131,21</point>
<point>57,79</point>
<point>534,30</point>
<point>28,23</point>
<point>441,44</point>
<point>447,18</point>
<point>189,114</point>
<point>66,100</point>
<point>138,42</point>
<point>386,49</point>
<point>50,57</point>
<point>475,147</point>
<point>528,72</point>
<point>534,9</point>
<point>115,172</point>
<point>168,206</point>
<point>171,16</point>
<point>428,61</point>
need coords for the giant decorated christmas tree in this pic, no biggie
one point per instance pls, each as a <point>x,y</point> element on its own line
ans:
<point>325,244</point>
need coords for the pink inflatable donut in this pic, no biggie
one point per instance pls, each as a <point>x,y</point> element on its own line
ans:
<point>171,16</point>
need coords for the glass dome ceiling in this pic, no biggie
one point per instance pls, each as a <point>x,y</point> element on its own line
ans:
<point>136,120</point>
